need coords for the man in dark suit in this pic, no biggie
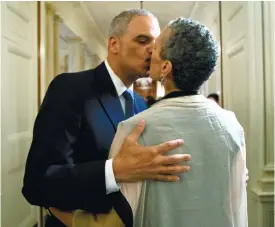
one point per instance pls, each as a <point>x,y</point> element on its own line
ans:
<point>67,165</point>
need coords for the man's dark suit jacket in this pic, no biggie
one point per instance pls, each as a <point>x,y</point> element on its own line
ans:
<point>72,136</point>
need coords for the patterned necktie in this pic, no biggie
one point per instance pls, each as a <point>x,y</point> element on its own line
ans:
<point>129,104</point>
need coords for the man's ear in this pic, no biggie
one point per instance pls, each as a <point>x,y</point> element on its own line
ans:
<point>166,68</point>
<point>113,45</point>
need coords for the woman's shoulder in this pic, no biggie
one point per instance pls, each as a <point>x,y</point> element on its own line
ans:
<point>146,115</point>
<point>231,118</point>
<point>232,125</point>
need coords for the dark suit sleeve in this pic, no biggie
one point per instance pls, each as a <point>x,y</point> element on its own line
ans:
<point>51,176</point>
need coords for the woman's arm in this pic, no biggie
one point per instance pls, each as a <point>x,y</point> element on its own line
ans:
<point>238,181</point>
<point>65,217</point>
<point>81,218</point>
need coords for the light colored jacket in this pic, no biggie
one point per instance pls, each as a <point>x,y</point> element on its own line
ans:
<point>213,192</point>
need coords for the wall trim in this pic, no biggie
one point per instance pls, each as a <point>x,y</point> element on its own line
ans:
<point>263,197</point>
<point>194,8</point>
<point>75,17</point>
<point>268,55</point>
<point>101,38</point>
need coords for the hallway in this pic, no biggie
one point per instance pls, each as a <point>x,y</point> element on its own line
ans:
<point>40,40</point>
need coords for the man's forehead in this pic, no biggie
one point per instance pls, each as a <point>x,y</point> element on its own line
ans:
<point>144,25</point>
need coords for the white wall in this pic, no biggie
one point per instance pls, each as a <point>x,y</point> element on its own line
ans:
<point>207,13</point>
<point>0,113</point>
<point>214,82</point>
<point>69,20</point>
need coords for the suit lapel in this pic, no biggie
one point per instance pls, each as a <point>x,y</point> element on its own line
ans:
<point>113,108</point>
<point>108,96</point>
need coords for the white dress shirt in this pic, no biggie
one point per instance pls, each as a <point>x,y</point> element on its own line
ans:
<point>111,185</point>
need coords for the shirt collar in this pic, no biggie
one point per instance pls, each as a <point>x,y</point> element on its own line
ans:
<point>120,87</point>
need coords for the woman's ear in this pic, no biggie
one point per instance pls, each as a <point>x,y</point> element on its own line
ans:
<point>166,68</point>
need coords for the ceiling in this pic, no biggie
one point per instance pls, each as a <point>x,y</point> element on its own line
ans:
<point>104,11</point>
<point>101,13</point>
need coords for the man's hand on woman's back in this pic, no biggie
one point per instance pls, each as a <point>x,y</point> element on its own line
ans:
<point>135,162</point>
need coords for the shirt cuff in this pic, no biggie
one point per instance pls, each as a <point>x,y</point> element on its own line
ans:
<point>111,185</point>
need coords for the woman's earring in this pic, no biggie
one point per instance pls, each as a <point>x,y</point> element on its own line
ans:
<point>162,80</point>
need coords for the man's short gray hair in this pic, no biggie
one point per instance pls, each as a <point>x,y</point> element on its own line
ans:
<point>119,24</point>
<point>193,52</point>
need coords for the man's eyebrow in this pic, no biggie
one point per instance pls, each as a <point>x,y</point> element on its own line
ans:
<point>143,36</point>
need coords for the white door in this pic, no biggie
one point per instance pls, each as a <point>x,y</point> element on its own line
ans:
<point>243,91</point>
<point>235,37</point>
<point>19,107</point>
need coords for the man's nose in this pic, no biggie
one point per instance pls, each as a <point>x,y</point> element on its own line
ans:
<point>151,46</point>
<point>150,49</point>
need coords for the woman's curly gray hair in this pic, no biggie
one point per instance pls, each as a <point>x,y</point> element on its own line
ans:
<point>193,52</point>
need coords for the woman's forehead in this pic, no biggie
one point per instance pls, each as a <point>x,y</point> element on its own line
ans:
<point>164,35</point>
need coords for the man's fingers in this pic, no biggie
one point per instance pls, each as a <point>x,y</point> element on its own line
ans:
<point>167,173</point>
<point>168,146</point>
<point>175,159</point>
<point>166,178</point>
<point>135,134</point>
<point>172,169</point>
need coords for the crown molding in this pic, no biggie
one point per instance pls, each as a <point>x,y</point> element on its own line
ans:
<point>75,17</point>
<point>101,38</point>
<point>194,8</point>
